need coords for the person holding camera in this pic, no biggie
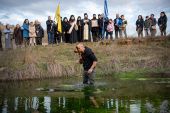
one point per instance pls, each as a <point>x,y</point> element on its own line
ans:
<point>89,61</point>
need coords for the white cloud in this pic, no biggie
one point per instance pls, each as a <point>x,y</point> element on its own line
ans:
<point>13,13</point>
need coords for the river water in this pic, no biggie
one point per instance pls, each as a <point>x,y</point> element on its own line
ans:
<point>71,96</point>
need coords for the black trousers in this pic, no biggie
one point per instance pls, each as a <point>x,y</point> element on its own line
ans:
<point>38,40</point>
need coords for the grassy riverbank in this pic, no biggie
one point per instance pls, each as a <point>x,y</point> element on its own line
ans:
<point>131,56</point>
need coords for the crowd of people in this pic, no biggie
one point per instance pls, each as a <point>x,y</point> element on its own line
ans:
<point>81,29</point>
<point>28,34</point>
<point>149,25</point>
<point>85,30</point>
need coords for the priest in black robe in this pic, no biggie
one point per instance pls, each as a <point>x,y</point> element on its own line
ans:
<point>65,28</point>
<point>80,29</point>
<point>73,29</point>
<point>86,28</point>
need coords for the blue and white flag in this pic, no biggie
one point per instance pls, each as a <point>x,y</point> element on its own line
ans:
<point>105,18</point>
<point>105,10</point>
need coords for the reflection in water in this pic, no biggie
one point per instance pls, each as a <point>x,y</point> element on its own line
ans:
<point>47,104</point>
<point>16,103</point>
<point>35,103</point>
<point>164,107</point>
<point>123,99</point>
<point>149,108</point>
<point>135,107</point>
<point>62,102</point>
<point>32,104</point>
<point>117,106</point>
<point>5,106</point>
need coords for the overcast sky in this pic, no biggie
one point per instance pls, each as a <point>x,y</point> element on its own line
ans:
<point>15,11</point>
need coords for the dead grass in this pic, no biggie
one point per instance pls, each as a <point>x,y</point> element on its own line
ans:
<point>121,55</point>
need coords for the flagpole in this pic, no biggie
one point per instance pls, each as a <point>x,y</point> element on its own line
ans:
<point>58,20</point>
<point>105,17</point>
<point>103,23</point>
<point>103,30</point>
<point>58,2</point>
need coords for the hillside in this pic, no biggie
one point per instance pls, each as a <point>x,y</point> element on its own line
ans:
<point>147,55</point>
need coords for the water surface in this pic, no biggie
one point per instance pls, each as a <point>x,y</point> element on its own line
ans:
<point>70,96</point>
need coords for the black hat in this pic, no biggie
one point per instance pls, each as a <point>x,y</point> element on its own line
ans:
<point>152,14</point>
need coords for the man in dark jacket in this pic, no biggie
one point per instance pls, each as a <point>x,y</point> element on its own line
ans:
<point>89,61</point>
<point>100,23</point>
<point>50,30</point>
<point>0,41</point>
<point>162,23</point>
<point>39,33</point>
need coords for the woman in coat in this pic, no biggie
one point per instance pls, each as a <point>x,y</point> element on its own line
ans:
<point>32,33</point>
<point>17,35</point>
<point>25,28</point>
<point>110,28</point>
<point>162,23</point>
<point>139,26</point>
<point>39,33</point>
<point>8,37</point>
